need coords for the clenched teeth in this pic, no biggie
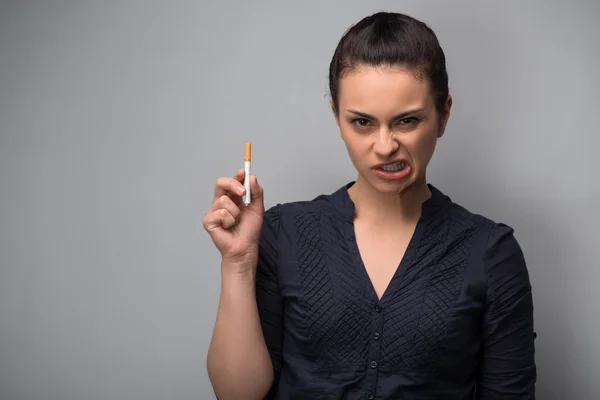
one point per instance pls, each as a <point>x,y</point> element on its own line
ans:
<point>394,167</point>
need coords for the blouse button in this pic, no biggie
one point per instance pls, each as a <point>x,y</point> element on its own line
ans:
<point>370,396</point>
<point>378,308</point>
<point>376,335</point>
<point>373,364</point>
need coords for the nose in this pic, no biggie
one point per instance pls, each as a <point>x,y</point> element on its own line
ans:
<point>385,143</point>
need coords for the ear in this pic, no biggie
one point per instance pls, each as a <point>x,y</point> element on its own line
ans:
<point>335,115</point>
<point>445,115</point>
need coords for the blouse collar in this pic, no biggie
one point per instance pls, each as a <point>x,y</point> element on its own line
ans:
<point>346,207</point>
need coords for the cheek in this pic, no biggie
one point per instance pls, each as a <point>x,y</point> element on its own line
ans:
<point>356,145</point>
<point>351,139</point>
<point>422,147</point>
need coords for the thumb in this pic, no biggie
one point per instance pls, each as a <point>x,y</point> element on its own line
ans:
<point>257,201</point>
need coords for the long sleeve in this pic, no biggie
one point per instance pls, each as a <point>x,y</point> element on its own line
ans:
<point>269,300</point>
<point>508,369</point>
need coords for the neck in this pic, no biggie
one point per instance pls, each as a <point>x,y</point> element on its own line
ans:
<point>388,208</point>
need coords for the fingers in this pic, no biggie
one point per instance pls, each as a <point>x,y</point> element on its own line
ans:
<point>217,219</point>
<point>233,186</point>
<point>234,189</point>
<point>240,175</point>
<point>256,194</point>
<point>224,213</point>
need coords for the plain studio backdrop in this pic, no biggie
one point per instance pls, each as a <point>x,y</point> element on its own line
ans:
<point>116,117</point>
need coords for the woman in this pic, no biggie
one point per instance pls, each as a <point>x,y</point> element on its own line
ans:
<point>385,288</point>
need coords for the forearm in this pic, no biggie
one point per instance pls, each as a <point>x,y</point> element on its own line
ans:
<point>239,365</point>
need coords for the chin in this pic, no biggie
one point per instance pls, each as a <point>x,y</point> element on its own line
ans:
<point>394,187</point>
<point>391,186</point>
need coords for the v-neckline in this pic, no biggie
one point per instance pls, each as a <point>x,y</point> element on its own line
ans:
<point>402,267</point>
<point>347,209</point>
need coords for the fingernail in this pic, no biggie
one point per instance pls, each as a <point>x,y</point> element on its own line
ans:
<point>241,189</point>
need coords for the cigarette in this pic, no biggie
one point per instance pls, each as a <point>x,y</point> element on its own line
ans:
<point>247,159</point>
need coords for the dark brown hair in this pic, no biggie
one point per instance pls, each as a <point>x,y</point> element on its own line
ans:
<point>388,40</point>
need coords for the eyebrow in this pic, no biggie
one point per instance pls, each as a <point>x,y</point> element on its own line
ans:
<point>395,117</point>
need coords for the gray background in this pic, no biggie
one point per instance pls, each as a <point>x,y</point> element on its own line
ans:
<point>116,117</point>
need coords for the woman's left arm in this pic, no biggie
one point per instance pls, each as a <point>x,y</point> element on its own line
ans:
<point>508,369</point>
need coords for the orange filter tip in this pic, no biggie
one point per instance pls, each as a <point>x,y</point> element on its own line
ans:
<point>248,156</point>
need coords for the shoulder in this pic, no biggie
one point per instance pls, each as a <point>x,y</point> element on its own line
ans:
<point>284,213</point>
<point>492,235</point>
<point>291,219</point>
<point>496,250</point>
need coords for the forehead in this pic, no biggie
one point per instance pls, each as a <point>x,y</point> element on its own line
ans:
<point>382,88</point>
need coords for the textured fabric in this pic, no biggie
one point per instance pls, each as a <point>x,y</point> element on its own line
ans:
<point>456,320</point>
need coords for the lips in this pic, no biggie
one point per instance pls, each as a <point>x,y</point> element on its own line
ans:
<point>393,170</point>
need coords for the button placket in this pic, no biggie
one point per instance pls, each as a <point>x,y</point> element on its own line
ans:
<point>374,354</point>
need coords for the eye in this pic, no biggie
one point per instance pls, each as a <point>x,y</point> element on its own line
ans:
<point>361,122</point>
<point>408,121</point>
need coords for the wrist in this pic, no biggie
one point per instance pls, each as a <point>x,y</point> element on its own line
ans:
<point>238,271</point>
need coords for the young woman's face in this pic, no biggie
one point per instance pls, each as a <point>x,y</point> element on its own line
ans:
<point>389,116</point>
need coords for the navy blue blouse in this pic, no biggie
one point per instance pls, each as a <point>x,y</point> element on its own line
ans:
<point>456,321</point>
